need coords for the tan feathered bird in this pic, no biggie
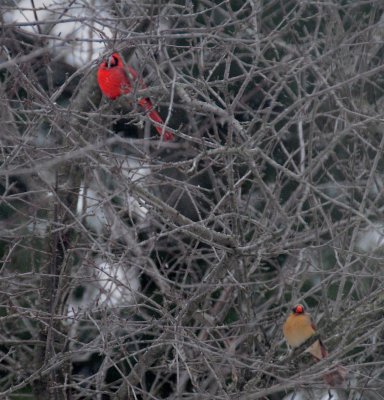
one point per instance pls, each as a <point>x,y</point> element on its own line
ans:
<point>297,329</point>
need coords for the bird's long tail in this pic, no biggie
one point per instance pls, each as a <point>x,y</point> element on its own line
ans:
<point>336,376</point>
<point>154,116</point>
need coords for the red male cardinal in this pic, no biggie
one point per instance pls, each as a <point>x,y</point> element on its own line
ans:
<point>115,79</point>
<point>297,329</point>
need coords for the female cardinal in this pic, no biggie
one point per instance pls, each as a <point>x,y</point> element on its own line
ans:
<point>297,329</point>
<point>115,79</point>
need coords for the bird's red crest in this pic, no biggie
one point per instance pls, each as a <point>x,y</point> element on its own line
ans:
<point>112,61</point>
<point>299,309</point>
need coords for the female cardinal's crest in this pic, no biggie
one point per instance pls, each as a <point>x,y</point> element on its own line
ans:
<point>299,309</point>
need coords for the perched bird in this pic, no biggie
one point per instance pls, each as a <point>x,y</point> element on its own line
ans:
<point>297,329</point>
<point>115,79</point>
